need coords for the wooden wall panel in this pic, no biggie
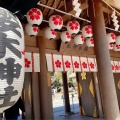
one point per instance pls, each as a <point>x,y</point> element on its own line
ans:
<point>32,49</point>
<point>52,44</point>
<point>30,41</point>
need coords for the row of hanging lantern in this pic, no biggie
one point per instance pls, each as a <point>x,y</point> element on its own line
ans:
<point>113,41</point>
<point>35,18</point>
<point>73,28</point>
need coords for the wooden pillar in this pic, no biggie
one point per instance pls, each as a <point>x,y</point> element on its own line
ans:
<point>35,96</point>
<point>45,89</point>
<point>28,96</point>
<point>106,80</point>
<point>66,93</point>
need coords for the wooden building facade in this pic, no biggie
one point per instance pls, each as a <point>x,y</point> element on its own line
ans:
<point>98,91</point>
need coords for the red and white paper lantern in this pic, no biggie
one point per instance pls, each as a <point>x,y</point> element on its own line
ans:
<point>116,47</point>
<point>87,31</point>
<point>65,36</point>
<point>31,30</point>
<point>73,27</point>
<point>117,40</point>
<point>90,42</point>
<point>55,22</point>
<point>34,16</point>
<point>50,34</point>
<point>111,37</point>
<point>79,39</point>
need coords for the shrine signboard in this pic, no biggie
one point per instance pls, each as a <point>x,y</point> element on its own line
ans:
<point>77,50</point>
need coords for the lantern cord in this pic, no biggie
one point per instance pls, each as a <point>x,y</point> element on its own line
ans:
<point>72,15</point>
<point>111,7</point>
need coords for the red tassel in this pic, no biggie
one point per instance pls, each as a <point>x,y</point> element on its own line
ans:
<point>33,62</point>
<point>88,65</point>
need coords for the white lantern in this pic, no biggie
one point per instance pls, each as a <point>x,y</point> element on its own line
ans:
<point>111,46</point>
<point>111,37</point>
<point>55,22</point>
<point>73,27</point>
<point>50,34</point>
<point>11,59</point>
<point>90,42</point>
<point>34,16</point>
<point>79,39</point>
<point>31,30</point>
<point>87,31</point>
<point>65,36</point>
<point>117,40</point>
<point>116,47</point>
